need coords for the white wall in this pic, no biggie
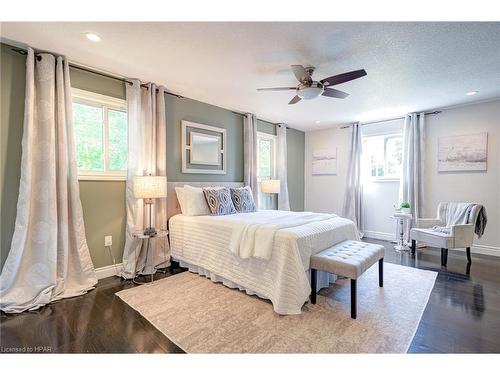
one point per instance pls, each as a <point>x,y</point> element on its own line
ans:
<point>325,193</point>
<point>480,187</point>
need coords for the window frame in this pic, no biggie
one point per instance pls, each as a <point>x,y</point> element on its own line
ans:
<point>385,137</point>
<point>106,103</point>
<point>272,138</point>
<point>265,201</point>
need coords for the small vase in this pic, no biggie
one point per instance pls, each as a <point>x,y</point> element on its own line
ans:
<point>406,210</point>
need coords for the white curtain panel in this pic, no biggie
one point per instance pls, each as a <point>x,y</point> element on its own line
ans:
<point>411,189</point>
<point>49,258</point>
<point>281,168</point>
<point>250,155</point>
<point>353,195</point>
<point>146,155</point>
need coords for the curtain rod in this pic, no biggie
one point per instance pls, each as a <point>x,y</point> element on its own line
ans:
<point>386,120</point>
<point>38,57</point>
<point>89,70</point>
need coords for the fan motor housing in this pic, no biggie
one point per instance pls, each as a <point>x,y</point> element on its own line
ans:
<point>310,91</point>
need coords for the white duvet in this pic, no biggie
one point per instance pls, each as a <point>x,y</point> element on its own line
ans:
<point>222,247</point>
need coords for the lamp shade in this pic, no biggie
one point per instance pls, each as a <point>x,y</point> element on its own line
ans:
<point>270,186</point>
<point>150,187</point>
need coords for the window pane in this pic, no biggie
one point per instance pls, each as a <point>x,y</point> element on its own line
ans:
<point>117,140</point>
<point>88,126</point>
<point>394,155</point>
<point>264,158</point>
<point>373,155</point>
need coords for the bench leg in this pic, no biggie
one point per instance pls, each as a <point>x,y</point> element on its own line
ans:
<point>413,246</point>
<point>313,286</point>
<point>381,272</point>
<point>353,299</point>
<point>444,256</point>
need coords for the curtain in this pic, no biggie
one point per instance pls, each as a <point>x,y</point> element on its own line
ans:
<point>49,258</point>
<point>146,155</point>
<point>250,155</point>
<point>281,168</point>
<point>354,190</point>
<point>411,188</point>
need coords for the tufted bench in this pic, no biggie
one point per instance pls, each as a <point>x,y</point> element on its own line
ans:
<point>350,259</point>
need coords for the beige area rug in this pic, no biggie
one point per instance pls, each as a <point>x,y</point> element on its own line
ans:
<point>201,316</point>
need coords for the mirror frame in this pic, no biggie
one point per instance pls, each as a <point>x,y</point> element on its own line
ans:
<point>185,148</point>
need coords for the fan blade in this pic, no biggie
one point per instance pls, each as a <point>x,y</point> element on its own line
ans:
<point>301,74</point>
<point>344,77</point>
<point>277,89</point>
<point>332,93</point>
<point>294,100</point>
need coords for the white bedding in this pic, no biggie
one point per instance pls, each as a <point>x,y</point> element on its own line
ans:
<point>254,235</point>
<point>204,243</point>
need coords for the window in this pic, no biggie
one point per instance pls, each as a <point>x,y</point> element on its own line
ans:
<point>382,156</point>
<point>100,128</point>
<point>266,156</point>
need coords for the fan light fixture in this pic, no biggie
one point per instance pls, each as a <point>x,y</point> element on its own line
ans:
<point>309,92</point>
<point>93,37</point>
<point>310,89</point>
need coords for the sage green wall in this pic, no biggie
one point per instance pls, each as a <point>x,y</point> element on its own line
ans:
<point>103,202</point>
<point>295,141</point>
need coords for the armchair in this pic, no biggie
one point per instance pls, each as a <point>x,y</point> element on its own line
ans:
<point>458,236</point>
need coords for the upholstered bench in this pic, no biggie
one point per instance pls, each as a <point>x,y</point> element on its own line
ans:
<point>350,259</point>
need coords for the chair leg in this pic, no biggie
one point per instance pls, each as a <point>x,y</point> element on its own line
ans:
<point>469,259</point>
<point>444,256</point>
<point>381,272</point>
<point>353,299</point>
<point>313,286</point>
<point>413,246</point>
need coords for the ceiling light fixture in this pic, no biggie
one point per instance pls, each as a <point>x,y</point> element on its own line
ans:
<point>470,93</point>
<point>317,122</point>
<point>93,37</point>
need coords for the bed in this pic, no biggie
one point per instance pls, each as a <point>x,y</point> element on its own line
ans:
<point>204,245</point>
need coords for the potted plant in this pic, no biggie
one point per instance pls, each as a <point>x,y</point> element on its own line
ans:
<point>405,207</point>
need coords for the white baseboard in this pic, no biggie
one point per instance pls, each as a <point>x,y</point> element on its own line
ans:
<point>107,271</point>
<point>478,249</point>
<point>380,235</point>
<point>486,250</point>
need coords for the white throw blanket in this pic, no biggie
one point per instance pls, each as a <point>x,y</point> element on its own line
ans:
<point>456,213</point>
<point>255,238</point>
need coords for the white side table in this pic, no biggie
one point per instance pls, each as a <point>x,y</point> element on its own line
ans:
<point>400,221</point>
<point>146,237</point>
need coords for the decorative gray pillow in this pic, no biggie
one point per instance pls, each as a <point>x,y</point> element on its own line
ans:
<point>243,199</point>
<point>219,201</point>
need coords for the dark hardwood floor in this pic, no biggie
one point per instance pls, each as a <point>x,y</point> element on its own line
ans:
<point>462,316</point>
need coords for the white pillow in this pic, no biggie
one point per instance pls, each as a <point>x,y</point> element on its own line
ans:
<point>179,191</point>
<point>194,201</point>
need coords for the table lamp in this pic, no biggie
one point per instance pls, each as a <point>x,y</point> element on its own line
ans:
<point>270,187</point>
<point>149,188</point>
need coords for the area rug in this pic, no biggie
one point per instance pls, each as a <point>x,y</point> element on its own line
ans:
<point>201,316</point>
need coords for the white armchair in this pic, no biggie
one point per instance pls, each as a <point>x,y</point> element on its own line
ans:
<point>459,236</point>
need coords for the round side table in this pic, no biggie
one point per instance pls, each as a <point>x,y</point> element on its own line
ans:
<point>146,238</point>
<point>400,218</point>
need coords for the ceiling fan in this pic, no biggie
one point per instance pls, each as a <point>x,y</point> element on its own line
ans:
<point>310,89</point>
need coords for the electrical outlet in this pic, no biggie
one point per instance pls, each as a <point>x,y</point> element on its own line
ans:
<point>108,240</point>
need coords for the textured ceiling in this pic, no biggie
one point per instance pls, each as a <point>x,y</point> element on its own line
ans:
<point>410,66</point>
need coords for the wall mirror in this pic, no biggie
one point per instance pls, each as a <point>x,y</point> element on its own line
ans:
<point>203,148</point>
